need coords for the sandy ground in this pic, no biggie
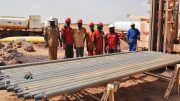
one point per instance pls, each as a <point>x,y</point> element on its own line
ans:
<point>137,88</point>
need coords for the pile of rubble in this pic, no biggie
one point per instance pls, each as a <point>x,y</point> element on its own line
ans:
<point>9,53</point>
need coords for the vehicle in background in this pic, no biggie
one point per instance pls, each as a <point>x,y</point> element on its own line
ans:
<point>125,26</point>
<point>20,26</point>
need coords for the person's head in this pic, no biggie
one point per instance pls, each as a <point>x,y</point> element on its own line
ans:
<point>100,26</point>
<point>91,26</point>
<point>68,22</point>
<point>52,21</point>
<point>79,22</point>
<point>111,28</point>
<point>133,25</point>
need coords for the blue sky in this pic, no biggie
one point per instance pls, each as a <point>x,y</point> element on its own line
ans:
<point>107,11</point>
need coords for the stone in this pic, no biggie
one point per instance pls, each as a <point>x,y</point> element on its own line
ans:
<point>8,56</point>
<point>28,46</point>
<point>2,63</point>
<point>2,45</point>
<point>14,61</point>
<point>19,41</point>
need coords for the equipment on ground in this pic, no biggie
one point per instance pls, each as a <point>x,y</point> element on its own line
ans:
<point>34,39</point>
<point>65,76</point>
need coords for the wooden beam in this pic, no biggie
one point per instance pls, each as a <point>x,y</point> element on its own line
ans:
<point>174,78</point>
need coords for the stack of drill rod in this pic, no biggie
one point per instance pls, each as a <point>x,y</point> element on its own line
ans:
<point>55,78</point>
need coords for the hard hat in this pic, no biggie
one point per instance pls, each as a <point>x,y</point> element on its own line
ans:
<point>68,20</point>
<point>111,26</point>
<point>100,24</point>
<point>132,24</point>
<point>52,18</point>
<point>80,21</point>
<point>91,24</point>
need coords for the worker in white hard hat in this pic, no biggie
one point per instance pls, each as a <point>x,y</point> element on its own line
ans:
<point>51,36</point>
<point>133,35</point>
<point>112,42</point>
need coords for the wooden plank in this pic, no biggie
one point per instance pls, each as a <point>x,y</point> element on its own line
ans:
<point>171,83</point>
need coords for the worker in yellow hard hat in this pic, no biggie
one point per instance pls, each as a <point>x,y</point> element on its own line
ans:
<point>51,36</point>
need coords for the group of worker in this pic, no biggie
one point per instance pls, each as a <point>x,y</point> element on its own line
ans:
<point>97,41</point>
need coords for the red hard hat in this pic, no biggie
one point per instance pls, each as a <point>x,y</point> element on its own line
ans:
<point>100,24</point>
<point>80,21</point>
<point>91,24</point>
<point>68,20</point>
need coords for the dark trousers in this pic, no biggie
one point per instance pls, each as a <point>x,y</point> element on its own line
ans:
<point>90,53</point>
<point>79,51</point>
<point>69,51</point>
<point>112,50</point>
<point>132,46</point>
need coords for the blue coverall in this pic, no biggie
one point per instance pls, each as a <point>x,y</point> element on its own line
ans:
<point>132,35</point>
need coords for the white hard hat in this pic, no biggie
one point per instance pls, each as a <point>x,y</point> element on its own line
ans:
<point>52,18</point>
<point>132,24</point>
<point>111,26</point>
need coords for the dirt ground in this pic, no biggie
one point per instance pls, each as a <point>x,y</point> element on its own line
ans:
<point>140,87</point>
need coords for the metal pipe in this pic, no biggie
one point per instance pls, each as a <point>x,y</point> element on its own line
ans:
<point>75,75</point>
<point>62,87</point>
<point>55,61</point>
<point>102,64</point>
<point>70,80</point>
<point>82,85</point>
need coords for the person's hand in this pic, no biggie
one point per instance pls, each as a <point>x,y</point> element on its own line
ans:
<point>75,47</point>
<point>105,51</point>
<point>60,44</point>
<point>64,46</point>
<point>118,50</point>
<point>139,38</point>
<point>46,45</point>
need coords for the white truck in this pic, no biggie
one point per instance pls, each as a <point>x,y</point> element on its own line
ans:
<point>20,26</point>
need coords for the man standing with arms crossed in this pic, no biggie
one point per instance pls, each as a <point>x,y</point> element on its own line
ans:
<point>99,39</point>
<point>79,38</point>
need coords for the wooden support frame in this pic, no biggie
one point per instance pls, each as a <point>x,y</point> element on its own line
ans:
<point>110,91</point>
<point>175,78</point>
<point>112,88</point>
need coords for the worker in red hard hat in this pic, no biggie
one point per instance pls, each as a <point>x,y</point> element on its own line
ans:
<point>67,39</point>
<point>51,36</point>
<point>89,41</point>
<point>98,39</point>
<point>112,40</point>
<point>79,38</point>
